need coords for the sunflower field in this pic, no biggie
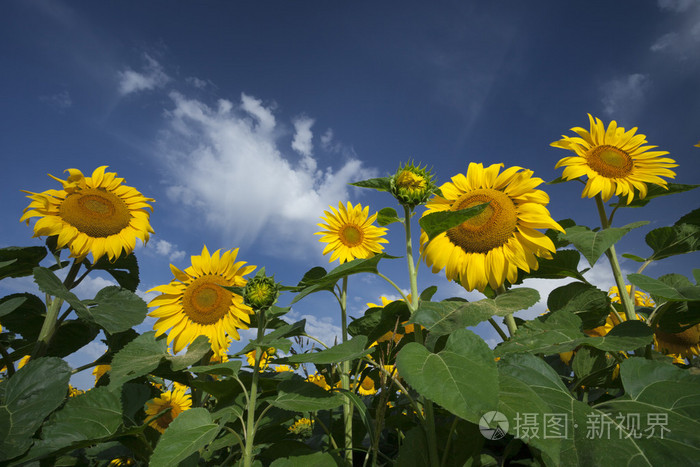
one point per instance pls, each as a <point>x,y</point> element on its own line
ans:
<point>602,378</point>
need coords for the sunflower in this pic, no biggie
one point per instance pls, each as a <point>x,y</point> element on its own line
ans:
<point>684,344</point>
<point>366,387</point>
<point>176,400</point>
<point>121,461</point>
<point>74,392</point>
<point>614,160</point>
<point>350,234</point>
<point>194,304</point>
<point>96,214</point>
<point>319,380</point>
<point>303,427</point>
<point>99,371</point>
<point>640,298</point>
<point>490,247</point>
<point>265,358</point>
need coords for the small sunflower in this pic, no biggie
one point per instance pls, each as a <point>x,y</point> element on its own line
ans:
<point>96,214</point>
<point>73,392</point>
<point>302,427</point>
<point>195,304</point>
<point>99,371</point>
<point>176,400</point>
<point>319,380</point>
<point>614,160</point>
<point>366,387</point>
<point>640,298</point>
<point>685,344</point>
<point>412,185</point>
<point>265,358</point>
<point>490,247</point>
<point>283,368</point>
<point>350,234</point>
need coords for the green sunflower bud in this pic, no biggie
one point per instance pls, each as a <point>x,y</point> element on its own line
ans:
<point>261,292</point>
<point>412,185</point>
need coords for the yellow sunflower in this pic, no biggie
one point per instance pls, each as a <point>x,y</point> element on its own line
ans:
<point>265,358</point>
<point>74,392</point>
<point>640,298</point>
<point>490,247</point>
<point>614,160</point>
<point>685,344</point>
<point>194,304</point>
<point>176,400</point>
<point>99,371</point>
<point>366,387</point>
<point>303,426</point>
<point>350,234</point>
<point>121,461</point>
<point>319,380</point>
<point>96,214</point>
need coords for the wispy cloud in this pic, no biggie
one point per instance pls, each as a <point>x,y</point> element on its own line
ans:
<point>60,101</point>
<point>623,96</point>
<point>682,42</point>
<point>303,136</point>
<point>165,248</point>
<point>226,162</point>
<point>150,77</point>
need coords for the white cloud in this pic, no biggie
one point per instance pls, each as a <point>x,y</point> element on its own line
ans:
<point>323,329</point>
<point>151,77</point>
<point>196,82</point>
<point>89,287</point>
<point>60,101</point>
<point>165,248</point>
<point>303,136</point>
<point>226,162</point>
<point>678,6</point>
<point>623,96</point>
<point>683,41</point>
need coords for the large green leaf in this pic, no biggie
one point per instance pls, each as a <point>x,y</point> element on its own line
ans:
<point>387,216</point>
<point>462,378</point>
<point>52,285</point>
<point>560,331</point>
<point>27,318</point>
<point>190,431</point>
<point>593,244</point>
<point>350,350</point>
<point>564,263</point>
<point>84,419</point>
<point>673,240</point>
<point>298,395</point>
<point>379,184</point>
<point>589,303</point>
<point>658,414</point>
<point>664,289</point>
<point>125,270</point>
<point>441,221</point>
<point>20,261</point>
<point>10,304</point>
<point>71,336</point>
<point>276,338</point>
<point>327,281</point>
<point>230,368</point>
<point>30,395</point>
<point>117,309</point>
<point>317,459</point>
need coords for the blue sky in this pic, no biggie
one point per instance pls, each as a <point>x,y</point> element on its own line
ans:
<point>245,120</point>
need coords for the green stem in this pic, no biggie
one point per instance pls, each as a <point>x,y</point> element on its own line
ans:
<point>498,329</point>
<point>345,376</point>
<point>250,424</point>
<point>398,289</point>
<point>627,303</point>
<point>315,339</point>
<point>448,442</point>
<point>412,273</point>
<point>508,319</point>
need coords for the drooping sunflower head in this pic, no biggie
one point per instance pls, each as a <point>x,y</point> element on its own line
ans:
<point>412,185</point>
<point>302,427</point>
<point>350,234</point>
<point>176,400</point>
<point>97,214</point>
<point>615,161</point>
<point>489,248</point>
<point>685,344</point>
<point>195,303</point>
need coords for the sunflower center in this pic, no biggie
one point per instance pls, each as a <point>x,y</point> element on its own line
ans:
<point>166,419</point>
<point>95,212</point>
<point>204,302</point>
<point>351,235</point>
<point>489,229</point>
<point>610,161</point>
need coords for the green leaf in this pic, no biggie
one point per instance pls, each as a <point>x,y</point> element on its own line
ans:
<point>85,418</point>
<point>298,395</point>
<point>273,338</point>
<point>124,269</point>
<point>413,451</point>
<point>139,357</point>
<point>70,336</point>
<point>387,216</point>
<point>462,378</point>
<point>636,258</point>
<point>379,184</point>
<point>589,303</point>
<point>654,191</point>
<point>675,317</point>
<point>350,350</point>
<point>20,261</point>
<point>317,459</point>
<point>8,305</point>
<point>663,290</point>
<point>230,368</point>
<point>191,431</point>
<point>195,351</point>
<point>438,222</point>
<point>327,281</point>
<point>27,318</point>
<point>447,316</point>
<point>52,285</point>
<point>117,309</point>
<point>563,264</point>
<point>593,244</point>
<point>673,240</point>
<point>29,397</point>
<point>427,294</point>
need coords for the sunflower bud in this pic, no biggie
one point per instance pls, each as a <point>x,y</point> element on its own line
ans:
<point>412,185</point>
<point>261,292</point>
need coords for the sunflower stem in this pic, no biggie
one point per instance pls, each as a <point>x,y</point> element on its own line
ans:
<point>498,329</point>
<point>627,303</point>
<point>508,319</point>
<point>345,375</point>
<point>48,328</point>
<point>250,423</point>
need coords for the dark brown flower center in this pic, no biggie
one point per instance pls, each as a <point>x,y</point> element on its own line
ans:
<point>95,212</point>
<point>609,161</point>
<point>204,302</point>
